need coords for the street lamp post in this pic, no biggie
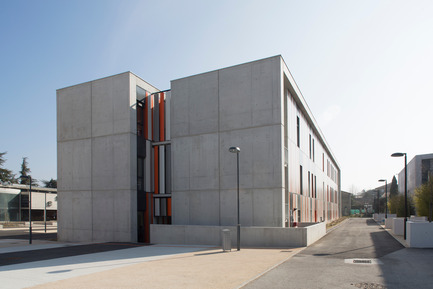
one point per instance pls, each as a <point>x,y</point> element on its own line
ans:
<point>405,187</point>
<point>386,197</point>
<point>378,202</point>
<point>30,206</point>
<point>45,212</point>
<point>238,228</point>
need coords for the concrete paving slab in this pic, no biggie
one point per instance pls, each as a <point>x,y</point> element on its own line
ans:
<point>40,272</point>
<point>166,267</point>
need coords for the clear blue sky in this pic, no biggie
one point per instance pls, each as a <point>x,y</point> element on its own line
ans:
<point>364,67</point>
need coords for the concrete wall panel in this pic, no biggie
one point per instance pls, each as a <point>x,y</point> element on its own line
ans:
<point>81,210</point>
<point>266,206</point>
<point>204,207</point>
<point>204,162</point>
<point>195,105</point>
<point>111,162</point>
<point>181,210</point>
<point>181,151</point>
<point>74,112</point>
<point>64,213</point>
<point>260,158</point>
<point>250,236</point>
<point>179,108</point>
<point>203,108</point>
<point>111,105</point>
<point>97,165</point>
<point>103,215</point>
<point>74,165</point>
<point>228,207</point>
<point>249,95</point>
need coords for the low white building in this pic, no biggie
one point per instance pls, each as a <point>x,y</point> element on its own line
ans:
<point>14,203</point>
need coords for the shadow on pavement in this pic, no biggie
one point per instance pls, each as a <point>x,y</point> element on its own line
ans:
<point>401,267</point>
<point>53,253</point>
<point>384,243</point>
<point>35,236</point>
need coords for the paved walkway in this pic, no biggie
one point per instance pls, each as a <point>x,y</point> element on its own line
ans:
<point>358,254</point>
<point>156,266</point>
<point>48,264</point>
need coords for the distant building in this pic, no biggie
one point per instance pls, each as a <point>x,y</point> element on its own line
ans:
<point>132,157</point>
<point>418,170</point>
<point>346,203</point>
<point>14,203</point>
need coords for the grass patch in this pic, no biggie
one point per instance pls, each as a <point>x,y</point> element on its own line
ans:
<point>336,222</point>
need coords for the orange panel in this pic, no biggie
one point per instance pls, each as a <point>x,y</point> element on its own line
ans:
<point>169,207</point>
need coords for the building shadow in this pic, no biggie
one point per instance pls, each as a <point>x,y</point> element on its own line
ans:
<point>401,267</point>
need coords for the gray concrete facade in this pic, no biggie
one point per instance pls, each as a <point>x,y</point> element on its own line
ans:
<point>288,173</point>
<point>250,236</point>
<point>253,106</point>
<point>417,173</point>
<point>96,145</point>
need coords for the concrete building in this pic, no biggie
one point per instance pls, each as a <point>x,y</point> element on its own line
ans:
<point>130,156</point>
<point>418,170</point>
<point>346,203</point>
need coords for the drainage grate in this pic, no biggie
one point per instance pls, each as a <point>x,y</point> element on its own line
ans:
<point>359,261</point>
<point>362,261</point>
<point>365,285</point>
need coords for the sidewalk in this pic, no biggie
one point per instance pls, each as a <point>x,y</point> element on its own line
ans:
<point>399,238</point>
<point>156,266</point>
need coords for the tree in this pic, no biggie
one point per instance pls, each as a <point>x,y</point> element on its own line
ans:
<point>393,191</point>
<point>393,204</point>
<point>396,205</point>
<point>50,184</point>
<point>25,171</point>
<point>423,197</point>
<point>5,174</point>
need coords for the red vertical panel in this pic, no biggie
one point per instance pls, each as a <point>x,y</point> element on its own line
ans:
<point>169,207</point>
<point>152,204</point>
<point>161,117</point>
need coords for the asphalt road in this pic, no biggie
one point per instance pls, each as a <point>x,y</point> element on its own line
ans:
<point>357,254</point>
<point>38,233</point>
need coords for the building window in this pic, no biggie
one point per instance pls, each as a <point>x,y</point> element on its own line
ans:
<point>310,146</point>
<point>313,151</point>
<point>315,187</point>
<point>323,162</point>
<point>309,187</point>
<point>298,136</point>
<point>300,179</point>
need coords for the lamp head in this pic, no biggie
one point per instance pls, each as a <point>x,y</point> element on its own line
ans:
<point>381,180</point>
<point>234,149</point>
<point>398,154</point>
